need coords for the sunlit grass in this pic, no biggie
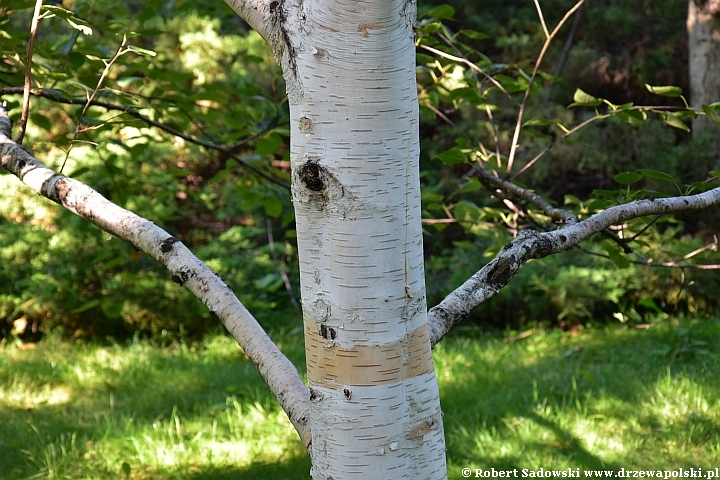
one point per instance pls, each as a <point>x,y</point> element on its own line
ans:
<point>605,398</point>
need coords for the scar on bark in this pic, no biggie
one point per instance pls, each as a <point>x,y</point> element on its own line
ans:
<point>182,276</point>
<point>167,244</point>
<point>312,175</point>
<point>328,333</point>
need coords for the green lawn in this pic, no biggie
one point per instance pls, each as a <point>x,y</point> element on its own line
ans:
<point>604,399</point>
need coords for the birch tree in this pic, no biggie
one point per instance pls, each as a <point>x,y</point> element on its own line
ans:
<point>371,406</point>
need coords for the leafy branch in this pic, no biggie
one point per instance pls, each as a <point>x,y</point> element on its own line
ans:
<point>231,150</point>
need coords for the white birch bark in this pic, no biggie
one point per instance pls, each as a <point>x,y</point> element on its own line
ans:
<point>374,401</point>
<point>349,67</point>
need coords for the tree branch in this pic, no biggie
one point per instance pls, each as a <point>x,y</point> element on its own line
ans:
<point>265,17</point>
<point>127,110</point>
<point>28,72</point>
<point>557,214</point>
<point>280,374</point>
<point>490,279</point>
<point>546,45</point>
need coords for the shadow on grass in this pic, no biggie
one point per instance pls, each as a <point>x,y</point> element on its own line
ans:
<point>60,405</point>
<point>297,468</point>
<point>557,395</point>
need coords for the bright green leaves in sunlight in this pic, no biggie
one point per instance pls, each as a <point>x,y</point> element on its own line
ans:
<point>665,91</point>
<point>583,99</point>
<point>75,22</point>
<point>710,111</point>
<point>185,81</point>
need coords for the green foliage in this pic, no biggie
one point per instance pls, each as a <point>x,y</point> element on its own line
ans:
<point>180,69</point>
<point>198,71</point>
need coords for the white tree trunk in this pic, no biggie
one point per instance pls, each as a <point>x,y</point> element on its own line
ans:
<point>350,70</point>
<point>704,63</point>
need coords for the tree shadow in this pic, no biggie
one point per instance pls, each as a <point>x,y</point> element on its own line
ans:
<point>87,400</point>
<point>617,372</point>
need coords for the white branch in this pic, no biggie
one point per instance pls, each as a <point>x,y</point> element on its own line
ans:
<point>490,279</point>
<point>257,14</point>
<point>280,374</point>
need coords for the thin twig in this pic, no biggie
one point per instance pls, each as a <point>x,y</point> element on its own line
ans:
<point>469,64</point>
<point>133,113</point>
<point>564,54</point>
<point>28,73</point>
<point>557,214</point>
<point>78,126</point>
<point>542,19</point>
<point>496,137</point>
<point>642,230</point>
<point>523,104</point>
<point>278,267</point>
<point>707,266</point>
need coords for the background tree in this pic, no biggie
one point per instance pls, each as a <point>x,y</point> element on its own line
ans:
<point>704,42</point>
<point>359,353</point>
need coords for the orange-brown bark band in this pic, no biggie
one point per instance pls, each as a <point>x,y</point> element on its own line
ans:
<point>331,366</point>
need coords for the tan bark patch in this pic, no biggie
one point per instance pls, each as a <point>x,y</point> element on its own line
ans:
<point>331,366</point>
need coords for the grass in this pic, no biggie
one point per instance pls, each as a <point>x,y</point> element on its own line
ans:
<point>603,399</point>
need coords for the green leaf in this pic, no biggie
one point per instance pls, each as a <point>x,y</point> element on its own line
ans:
<point>41,121</point>
<point>510,84</point>
<point>87,305</point>
<point>441,12</point>
<point>82,26</point>
<point>77,23</point>
<point>453,156</point>
<point>127,81</point>
<point>471,186</point>
<point>633,117</point>
<point>715,173</point>
<point>125,467</point>
<point>269,145</point>
<point>583,99</point>
<point>618,259</point>
<point>272,206</point>
<point>672,120</point>
<point>536,134</point>
<point>141,51</point>
<point>92,122</point>
<point>538,122</point>
<point>628,177</point>
<point>57,94</point>
<point>665,91</point>
<point>649,303</point>
<point>112,309</point>
<point>475,35</point>
<point>648,172</point>
<point>710,112</point>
